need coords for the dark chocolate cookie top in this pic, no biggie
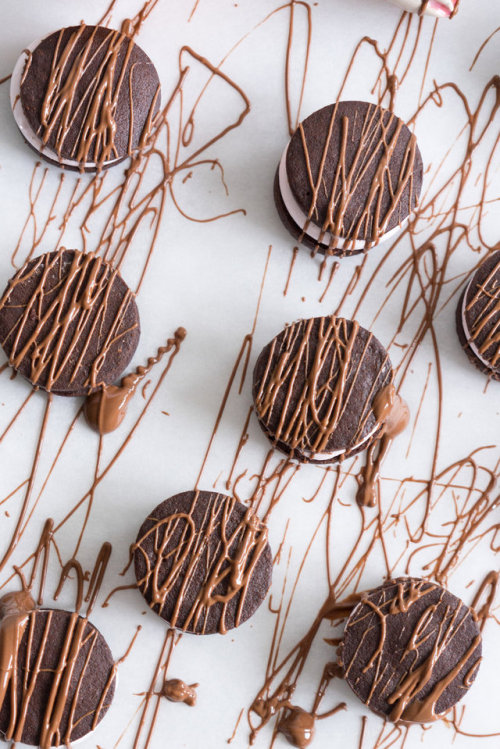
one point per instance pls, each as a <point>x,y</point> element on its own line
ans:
<point>202,561</point>
<point>68,322</point>
<point>90,94</point>
<point>355,169</point>
<point>62,675</point>
<point>411,650</point>
<point>481,313</point>
<point>314,387</point>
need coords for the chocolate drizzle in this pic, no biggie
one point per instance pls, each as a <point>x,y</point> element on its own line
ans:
<point>393,415</point>
<point>105,409</point>
<point>424,280</point>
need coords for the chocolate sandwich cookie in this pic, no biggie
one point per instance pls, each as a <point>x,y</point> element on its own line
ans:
<point>349,178</point>
<point>411,650</point>
<point>57,674</point>
<point>202,562</point>
<point>315,387</point>
<point>478,317</point>
<point>85,97</point>
<point>68,322</point>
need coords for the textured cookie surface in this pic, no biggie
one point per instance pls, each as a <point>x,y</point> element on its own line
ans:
<point>68,322</point>
<point>355,169</point>
<point>314,386</point>
<point>76,94</point>
<point>479,308</point>
<point>202,561</point>
<point>411,650</point>
<point>69,666</point>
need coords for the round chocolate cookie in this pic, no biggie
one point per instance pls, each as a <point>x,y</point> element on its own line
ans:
<point>478,317</point>
<point>314,388</point>
<point>58,677</point>
<point>349,177</point>
<point>68,322</point>
<point>85,97</point>
<point>411,650</point>
<point>202,562</point>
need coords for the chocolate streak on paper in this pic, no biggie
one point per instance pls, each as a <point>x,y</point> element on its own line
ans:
<point>106,409</point>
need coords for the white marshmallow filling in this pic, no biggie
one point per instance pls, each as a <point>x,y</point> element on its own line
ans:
<point>337,453</point>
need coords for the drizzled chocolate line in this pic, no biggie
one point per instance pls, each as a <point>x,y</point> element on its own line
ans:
<point>393,415</point>
<point>195,567</point>
<point>62,317</point>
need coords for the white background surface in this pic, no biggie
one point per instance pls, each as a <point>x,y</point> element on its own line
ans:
<point>206,277</point>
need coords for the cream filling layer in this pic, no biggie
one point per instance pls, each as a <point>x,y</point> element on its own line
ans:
<point>313,231</point>
<point>336,453</point>
<point>468,336</point>
<point>24,125</point>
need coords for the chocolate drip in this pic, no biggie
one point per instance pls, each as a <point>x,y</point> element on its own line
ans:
<point>393,415</point>
<point>177,690</point>
<point>297,726</point>
<point>489,584</point>
<point>105,409</point>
